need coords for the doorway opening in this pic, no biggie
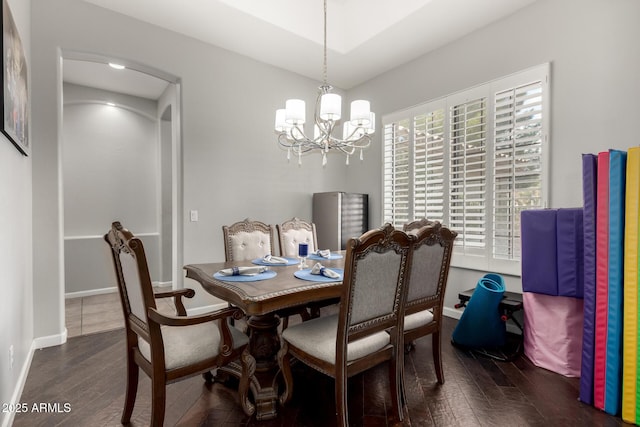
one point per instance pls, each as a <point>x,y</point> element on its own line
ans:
<point>120,157</point>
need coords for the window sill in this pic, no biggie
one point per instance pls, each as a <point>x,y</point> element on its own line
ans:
<point>466,262</point>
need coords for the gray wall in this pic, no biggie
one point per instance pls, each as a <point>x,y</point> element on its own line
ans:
<point>16,280</point>
<point>595,64</point>
<point>111,171</point>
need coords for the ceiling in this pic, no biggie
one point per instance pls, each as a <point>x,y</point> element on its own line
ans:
<point>364,37</point>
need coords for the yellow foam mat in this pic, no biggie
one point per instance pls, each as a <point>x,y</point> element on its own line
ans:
<point>630,379</point>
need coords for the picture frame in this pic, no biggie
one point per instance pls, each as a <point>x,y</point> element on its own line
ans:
<point>15,93</point>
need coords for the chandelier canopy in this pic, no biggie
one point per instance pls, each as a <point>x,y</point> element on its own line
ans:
<point>356,133</point>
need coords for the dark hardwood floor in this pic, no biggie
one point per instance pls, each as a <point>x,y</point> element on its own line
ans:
<point>87,373</point>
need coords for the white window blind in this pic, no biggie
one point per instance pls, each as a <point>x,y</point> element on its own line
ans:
<point>472,160</point>
<point>396,172</point>
<point>468,174</point>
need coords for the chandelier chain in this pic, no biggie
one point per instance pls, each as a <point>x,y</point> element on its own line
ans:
<point>324,70</point>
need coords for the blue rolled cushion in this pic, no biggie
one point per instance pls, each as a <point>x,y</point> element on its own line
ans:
<point>480,325</point>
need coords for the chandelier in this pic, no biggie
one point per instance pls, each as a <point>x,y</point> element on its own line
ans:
<point>356,133</point>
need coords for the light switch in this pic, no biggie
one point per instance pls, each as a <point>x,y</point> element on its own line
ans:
<point>194,216</point>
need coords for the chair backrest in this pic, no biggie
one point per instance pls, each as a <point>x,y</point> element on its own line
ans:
<point>374,286</point>
<point>293,232</point>
<point>247,240</point>
<point>430,263</point>
<point>134,281</point>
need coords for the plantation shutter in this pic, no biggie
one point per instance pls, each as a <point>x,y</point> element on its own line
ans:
<point>396,173</point>
<point>517,164</point>
<point>473,160</point>
<point>467,174</point>
<point>429,166</point>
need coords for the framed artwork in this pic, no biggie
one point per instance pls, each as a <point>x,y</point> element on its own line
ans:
<point>15,94</point>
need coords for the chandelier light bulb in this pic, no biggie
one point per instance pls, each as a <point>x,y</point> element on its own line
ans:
<point>295,111</point>
<point>360,112</point>
<point>281,124</point>
<point>330,106</point>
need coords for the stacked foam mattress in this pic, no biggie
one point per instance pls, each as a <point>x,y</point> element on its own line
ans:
<point>610,376</point>
<point>552,284</point>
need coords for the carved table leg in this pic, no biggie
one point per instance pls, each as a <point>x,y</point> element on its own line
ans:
<point>261,366</point>
<point>263,346</point>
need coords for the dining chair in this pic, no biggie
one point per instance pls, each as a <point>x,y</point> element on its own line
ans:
<point>367,330</point>
<point>246,240</point>
<point>430,263</point>
<point>293,232</point>
<point>167,348</point>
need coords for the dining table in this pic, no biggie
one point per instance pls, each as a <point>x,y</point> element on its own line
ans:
<point>266,298</point>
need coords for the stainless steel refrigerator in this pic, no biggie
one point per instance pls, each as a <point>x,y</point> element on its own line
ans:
<point>339,216</point>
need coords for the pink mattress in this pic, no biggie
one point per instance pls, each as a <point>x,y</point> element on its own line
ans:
<point>553,332</point>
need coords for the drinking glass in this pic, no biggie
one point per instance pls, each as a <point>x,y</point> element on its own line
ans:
<point>303,253</point>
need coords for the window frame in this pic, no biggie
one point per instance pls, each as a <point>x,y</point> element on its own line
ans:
<point>483,259</point>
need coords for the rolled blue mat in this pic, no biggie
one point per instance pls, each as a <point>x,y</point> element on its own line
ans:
<point>480,325</point>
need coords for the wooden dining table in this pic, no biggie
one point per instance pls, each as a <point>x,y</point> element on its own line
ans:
<point>265,302</point>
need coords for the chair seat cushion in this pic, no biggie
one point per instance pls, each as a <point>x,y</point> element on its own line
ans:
<point>185,345</point>
<point>317,337</point>
<point>416,320</point>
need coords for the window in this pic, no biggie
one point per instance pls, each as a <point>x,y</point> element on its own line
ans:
<point>472,160</point>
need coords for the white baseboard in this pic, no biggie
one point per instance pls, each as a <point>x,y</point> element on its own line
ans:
<point>102,291</point>
<point>7,420</point>
<point>50,340</point>
<point>452,312</point>
<point>91,292</point>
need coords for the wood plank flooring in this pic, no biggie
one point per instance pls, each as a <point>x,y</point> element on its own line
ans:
<point>88,374</point>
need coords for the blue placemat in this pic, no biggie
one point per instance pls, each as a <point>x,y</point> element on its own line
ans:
<point>290,261</point>
<point>319,258</point>
<point>305,274</point>
<point>269,274</point>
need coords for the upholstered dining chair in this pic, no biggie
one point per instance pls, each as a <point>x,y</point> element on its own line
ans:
<point>357,338</point>
<point>246,240</point>
<point>167,348</point>
<point>293,232</point>
<point>290,233</point>
<point>427,284</point>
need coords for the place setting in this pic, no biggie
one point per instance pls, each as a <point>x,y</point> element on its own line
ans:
<point>317,273</point>
<point>275,261</point>
<point>245,274</point>
<point>324,254</point>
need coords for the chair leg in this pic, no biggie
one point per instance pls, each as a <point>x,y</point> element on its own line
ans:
<point>208,377</point>
<point>132,389</point>
<point>158,400</point>
<point>284,361</point>
<point>437,356</point>
<point>248,370</point>
<point>341,400</point>
<point>396,382</point>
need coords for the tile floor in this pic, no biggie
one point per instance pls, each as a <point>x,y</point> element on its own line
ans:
<point>100,313</point>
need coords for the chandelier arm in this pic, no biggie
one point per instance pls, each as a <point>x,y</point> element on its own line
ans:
<point>304,140</point>
<point>297,146</point>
